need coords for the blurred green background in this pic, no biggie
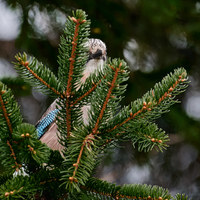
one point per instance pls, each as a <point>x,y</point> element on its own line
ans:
<point>154,37</point>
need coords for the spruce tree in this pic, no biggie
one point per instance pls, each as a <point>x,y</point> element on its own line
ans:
<point>30,170</point>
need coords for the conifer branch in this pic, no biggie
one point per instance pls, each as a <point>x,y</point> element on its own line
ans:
<point>112,85</point>
<point>70,75</point>
<point>132,116</point>
<point>15,135</point>
<point>20,187</point>
<point>31,148</point>
<point>148,106</point>
<point>170,90</point>
<point>5,112</point>
<point>103,189</point>
<point>8,111</point>
<point>107,123</point>
<point>88,141</point>
<point>72,58</point>
<point>41,80</point>
<point>86,94</point>
<point>10,193</point>
<point>78,22</point>
<point>25,66</point>
<point>147,136</point>
<point>16,166</point>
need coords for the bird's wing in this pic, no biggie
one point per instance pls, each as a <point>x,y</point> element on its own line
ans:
<point>47,119</point>
<point>50,138</point>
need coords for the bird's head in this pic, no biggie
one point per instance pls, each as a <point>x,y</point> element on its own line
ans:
<point>96,57</point>
<point>97,49</point>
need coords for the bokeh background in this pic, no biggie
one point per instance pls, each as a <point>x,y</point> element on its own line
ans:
<point>154,37</point>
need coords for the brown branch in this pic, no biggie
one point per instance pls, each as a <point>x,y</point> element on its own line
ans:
<point>70,75</point>
<point>88,141</point>
<point>86,94</point>
<point>128,119</point>
<point>89,138</point>
<point>6,115</point>
<point>147,106</point>
<point>170,90</point>
<point>112,85</point>
<point>25,64</point>
<point>17,166</point>
<point>5,112</point>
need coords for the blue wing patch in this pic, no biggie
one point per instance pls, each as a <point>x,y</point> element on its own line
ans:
<point>45,122</point>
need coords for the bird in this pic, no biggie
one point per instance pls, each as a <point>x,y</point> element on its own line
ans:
<point>46,127</point>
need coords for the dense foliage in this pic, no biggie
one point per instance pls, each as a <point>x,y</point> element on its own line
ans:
<point>50,175</point>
